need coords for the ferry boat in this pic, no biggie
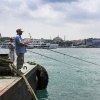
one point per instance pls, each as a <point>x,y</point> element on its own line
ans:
<point>41,44</point>
<point>16,87</point>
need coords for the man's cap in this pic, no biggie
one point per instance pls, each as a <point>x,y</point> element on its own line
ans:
<point>19,30</point>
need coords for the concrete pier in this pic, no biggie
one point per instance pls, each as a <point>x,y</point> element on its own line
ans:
<point>14,88</point>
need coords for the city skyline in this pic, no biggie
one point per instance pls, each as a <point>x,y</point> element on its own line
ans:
<point>69,19</point>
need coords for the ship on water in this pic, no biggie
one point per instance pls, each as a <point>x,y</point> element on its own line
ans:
<point>41,44</point>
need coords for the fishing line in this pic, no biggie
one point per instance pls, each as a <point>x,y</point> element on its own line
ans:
<point>73,57</point>
<point>53,59</point>
<point>50,58</point>
<point>64,55</point>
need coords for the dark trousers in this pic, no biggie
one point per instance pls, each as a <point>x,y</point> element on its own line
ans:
<point>20,60</point>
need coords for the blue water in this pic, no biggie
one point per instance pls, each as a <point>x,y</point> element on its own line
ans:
<point>76,80</point>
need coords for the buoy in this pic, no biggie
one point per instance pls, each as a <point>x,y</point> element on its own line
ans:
<point>42,76</point>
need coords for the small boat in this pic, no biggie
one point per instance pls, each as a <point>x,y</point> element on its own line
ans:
<point>14,87</point>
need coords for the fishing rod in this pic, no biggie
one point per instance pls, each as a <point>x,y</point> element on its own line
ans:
<point>73,57</point>
<point>50,58</point>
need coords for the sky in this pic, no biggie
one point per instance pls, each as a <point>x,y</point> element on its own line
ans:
<point>72,19</point>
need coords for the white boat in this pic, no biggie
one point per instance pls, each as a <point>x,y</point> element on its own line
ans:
<point>41,44</point>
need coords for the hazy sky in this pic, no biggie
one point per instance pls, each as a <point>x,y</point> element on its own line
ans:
<point>74,19</point>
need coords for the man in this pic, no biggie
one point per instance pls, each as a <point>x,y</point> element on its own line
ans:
<point>11,47</point>
<point>20,49</point>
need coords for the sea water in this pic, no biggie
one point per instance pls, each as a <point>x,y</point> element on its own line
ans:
<point>69,77</point>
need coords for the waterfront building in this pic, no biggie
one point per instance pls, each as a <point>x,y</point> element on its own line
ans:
<point>89,42</point>
<point>57,39</point>
<point>96,42</point>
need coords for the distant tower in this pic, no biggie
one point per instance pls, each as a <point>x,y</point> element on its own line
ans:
<point>64,38</point>
<point>50,37</point>
<point>0,35</point>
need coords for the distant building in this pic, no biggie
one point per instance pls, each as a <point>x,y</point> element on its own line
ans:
<point>78,42</point>
<point>57,39</point>
<point>96,42</point>
<point>89,41</point>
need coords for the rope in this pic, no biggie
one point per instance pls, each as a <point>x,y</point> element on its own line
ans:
<point>24,78</point>
<point>13,68</point>
<point>74,57</point>
<point>51,58</point>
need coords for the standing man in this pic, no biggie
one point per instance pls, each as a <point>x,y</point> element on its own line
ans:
<point>11,47</point>
<point>20,49</point>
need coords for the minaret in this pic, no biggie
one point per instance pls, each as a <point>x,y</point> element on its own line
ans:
<point>50,37</point>
<point>0,35</point>
<point>64,37</point>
